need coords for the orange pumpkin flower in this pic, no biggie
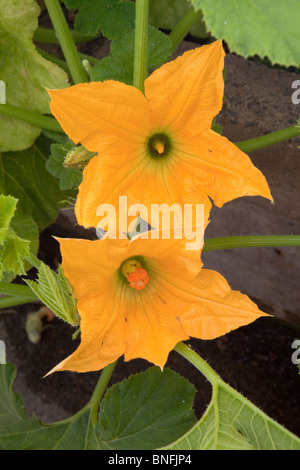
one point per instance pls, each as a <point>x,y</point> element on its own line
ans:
<point>141,297</point>
<point>158,147</point>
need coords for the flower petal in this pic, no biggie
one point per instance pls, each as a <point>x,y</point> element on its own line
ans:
<point>90,266</point>
<point>102,333</point>
<point>188,91</point>
<point>207,307</point>
<point>219,168</point>
<point>108,117</point>
<point>152,330</point>
<point>142,181</point>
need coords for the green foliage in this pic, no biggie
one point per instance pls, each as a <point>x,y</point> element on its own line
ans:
<point>112,17</point>
<point>24,176</point>
<point>267,28</point>
<point>231,422</point>
<point>13,248</point>
<point>143,411</point>
<point>119,65</point>
<point>168,13</point>
<point>19,432</point>
<point>25,72</point>
<point>55,291</point>
<point>146,410</point>
<point>69,178</point>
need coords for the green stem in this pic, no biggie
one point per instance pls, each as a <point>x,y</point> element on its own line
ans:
<point>66,41</point>
<point>267,140</point>
<point>99,391</point>
<point>141,41</point>
<point>48,36</point>
<point>12,300</point>
<point>32,117</point>
<point>91,59</point>
<point>16,290</point>
<point>184,26</point>
<point>197,361</point>
<point>227,243</point>
<point>60,62</point>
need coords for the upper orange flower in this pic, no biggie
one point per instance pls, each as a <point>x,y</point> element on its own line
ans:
<point>141,297</point>
<point>158,147</point>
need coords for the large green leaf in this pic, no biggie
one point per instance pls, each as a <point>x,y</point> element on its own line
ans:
<point>142,412</point>
<point>231,422</point>
<point>268,28</point>
<point>24,176</point>
<point>19,432</point>
<point>25,72</point>
<point>112,17</point>
<point>146,410</point>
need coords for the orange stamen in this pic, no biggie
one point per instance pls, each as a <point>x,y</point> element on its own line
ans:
<point>138,279</point>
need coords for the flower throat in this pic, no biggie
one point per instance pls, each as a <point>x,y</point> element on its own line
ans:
<point>159,145</point>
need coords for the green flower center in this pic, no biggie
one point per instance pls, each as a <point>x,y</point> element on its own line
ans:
<point>129,266</point>
<point>159,145</point>
<point>136,276</point>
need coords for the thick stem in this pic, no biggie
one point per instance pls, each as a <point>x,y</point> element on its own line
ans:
<point>32,117</point>
<point>66,41</point>
<point>12,300</point>
<point>141,44</point>
<point>48,36</point>
<point>17,290</point>
<point>184,26</point>
<point>227,243</point>
<point>197,361</point>
<point>99,391</point>
<point>267,140</point>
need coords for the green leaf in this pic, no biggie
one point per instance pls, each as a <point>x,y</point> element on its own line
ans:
<point>24,176</point>
<point>167,14</point>
<point>18,236</point>
<point>19,432</point>
<point>142,412</point>
<point>112,17</point>
<point>254,27</point>
<point>231,422</point>
<point>119,66</point>
<point>69,178</point>
<point>13,252</point>
<point>8,206</point>
<point>25,72</point>
<point>146,411</point>
<point>55,291</point>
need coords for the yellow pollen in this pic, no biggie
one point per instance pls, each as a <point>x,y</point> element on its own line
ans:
<point>159,147</point>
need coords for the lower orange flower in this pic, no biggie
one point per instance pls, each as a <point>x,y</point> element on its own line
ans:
<point>141,297</point>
